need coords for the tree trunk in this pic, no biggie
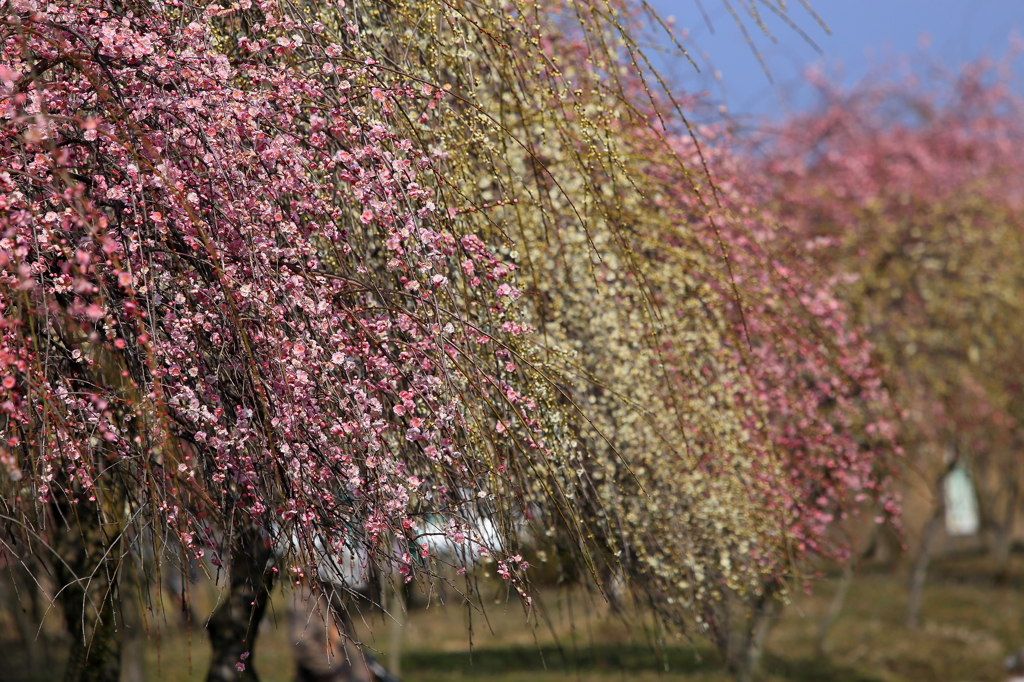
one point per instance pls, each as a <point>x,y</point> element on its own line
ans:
<point>396,608</point>
<point>835,607</point>
<point>741,631</point>
<point>133,636</point>
<point>176,583</point>
<point>235,621</point>
<point>87,570</point>
<point>766,612</point>
<point>20,601</point>
<point>1003,535</point>
<point>920,571</point>
<point>931,533</point>
<point>323,650</point>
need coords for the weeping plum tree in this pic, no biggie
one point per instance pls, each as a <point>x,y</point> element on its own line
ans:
<point>909,197</point>
<point>291,277</point>
<point>812,418</point>
<point>230,312</point>
<point>689,296</point>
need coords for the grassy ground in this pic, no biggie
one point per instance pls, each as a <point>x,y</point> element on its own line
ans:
<point>970,622</point>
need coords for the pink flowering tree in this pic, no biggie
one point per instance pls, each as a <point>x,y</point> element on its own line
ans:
<point>907,197</point>
<point>231,312</point>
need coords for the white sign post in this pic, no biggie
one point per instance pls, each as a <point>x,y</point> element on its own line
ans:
<point>961,504</point>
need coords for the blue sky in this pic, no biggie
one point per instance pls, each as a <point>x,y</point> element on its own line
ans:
<point>866,34</point>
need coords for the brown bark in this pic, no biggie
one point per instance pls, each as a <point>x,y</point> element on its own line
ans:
<point>20,596</point>
<point>235,621</point>
<point>766,612</point>
<point>835,607</point>
<point>323,650</point>
<point>1003,533</point>
<point>920,571</point>
<point>741,630</point>
<point>86,567</point>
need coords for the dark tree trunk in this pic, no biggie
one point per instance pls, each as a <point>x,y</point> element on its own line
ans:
<point>319,630</point>
<point>133,636</point>
<point>20,596</point>
<point>235,622</point>
<point>741,631</point>
<point>86,568</point>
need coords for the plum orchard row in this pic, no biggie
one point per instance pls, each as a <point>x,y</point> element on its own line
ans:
<point>307,276</point>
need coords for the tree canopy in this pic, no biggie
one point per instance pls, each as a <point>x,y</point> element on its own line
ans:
<point>306,276</point>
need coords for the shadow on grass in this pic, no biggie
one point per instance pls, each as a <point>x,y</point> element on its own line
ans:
<point>554,659</point>
<point>813,670</point>
<point>613,658</point>
<point>16,666</point>
<point>487,663</point>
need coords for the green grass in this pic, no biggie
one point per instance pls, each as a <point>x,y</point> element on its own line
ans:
<point>969,624</point>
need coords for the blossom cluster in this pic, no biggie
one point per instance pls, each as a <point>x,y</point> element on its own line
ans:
<point>227,289</point>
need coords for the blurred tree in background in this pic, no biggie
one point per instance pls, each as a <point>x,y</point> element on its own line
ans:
<point>907,194</point>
